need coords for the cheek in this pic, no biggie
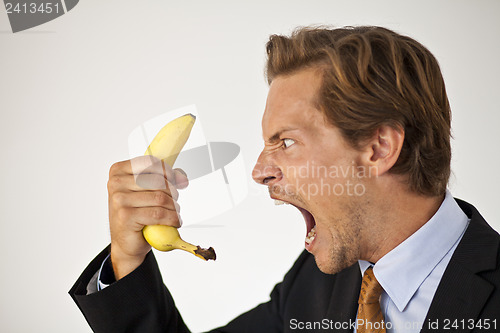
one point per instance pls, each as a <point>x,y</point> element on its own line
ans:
<point>331,226</point>
<point>298,177</point>
<point>325,226</point>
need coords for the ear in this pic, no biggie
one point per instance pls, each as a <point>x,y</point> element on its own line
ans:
<point>382,151</point>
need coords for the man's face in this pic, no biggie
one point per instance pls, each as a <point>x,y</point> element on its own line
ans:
<point>307,163</point>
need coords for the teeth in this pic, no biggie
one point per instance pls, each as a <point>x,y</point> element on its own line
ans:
<point>311,235</point>
<point>278,202</point>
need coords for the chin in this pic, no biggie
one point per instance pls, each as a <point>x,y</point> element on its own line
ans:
<point>333,261</point>
<point>331,267</point>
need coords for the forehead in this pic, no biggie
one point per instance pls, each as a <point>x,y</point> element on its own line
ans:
<point>292,102</point>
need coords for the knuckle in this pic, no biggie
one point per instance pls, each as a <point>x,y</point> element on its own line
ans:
<point>160,198</point>
<point>118,199</point>
<point>113,182</point>
<point>158,213</point>
<point>114,169</point>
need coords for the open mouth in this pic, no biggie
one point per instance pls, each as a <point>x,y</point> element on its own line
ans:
<point>310,223</point>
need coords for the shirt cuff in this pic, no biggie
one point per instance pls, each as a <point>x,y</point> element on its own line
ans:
<point>103,277</point>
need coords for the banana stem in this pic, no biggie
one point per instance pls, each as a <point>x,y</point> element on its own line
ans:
<point>205,254</point>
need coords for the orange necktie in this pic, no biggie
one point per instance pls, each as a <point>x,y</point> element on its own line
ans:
<point>370,318</point>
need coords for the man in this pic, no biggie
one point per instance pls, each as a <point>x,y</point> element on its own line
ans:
<point>357,137</point>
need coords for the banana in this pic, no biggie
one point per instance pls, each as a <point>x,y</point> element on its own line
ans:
<point>166,146</point>
<point>165,238</point>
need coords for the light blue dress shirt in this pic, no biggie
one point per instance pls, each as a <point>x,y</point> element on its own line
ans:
<point>411,272</point>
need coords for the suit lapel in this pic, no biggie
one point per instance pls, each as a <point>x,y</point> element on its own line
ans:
<point>460,296</point>
<point>344,301</point>
<point>462,292</point>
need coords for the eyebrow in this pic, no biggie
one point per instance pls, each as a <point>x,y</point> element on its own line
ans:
<point>276,136</point>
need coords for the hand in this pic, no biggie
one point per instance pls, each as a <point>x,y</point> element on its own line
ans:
<point>141,191</point>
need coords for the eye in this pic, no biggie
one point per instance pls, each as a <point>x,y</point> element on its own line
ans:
<point>288,142</point>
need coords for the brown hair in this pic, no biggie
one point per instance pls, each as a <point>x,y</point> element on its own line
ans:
<point>373,76</point>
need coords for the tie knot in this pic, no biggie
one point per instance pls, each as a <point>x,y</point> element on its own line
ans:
<point>370,288</point>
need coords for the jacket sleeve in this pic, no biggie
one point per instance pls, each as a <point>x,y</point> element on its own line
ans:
<point>140,302</point>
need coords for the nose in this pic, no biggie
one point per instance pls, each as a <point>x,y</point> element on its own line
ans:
<point>266,173</point>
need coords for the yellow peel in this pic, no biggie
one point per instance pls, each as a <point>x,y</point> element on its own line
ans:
<point>166,146</point>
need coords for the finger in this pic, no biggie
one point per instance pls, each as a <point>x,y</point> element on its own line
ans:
<point>150,216</point>
<point>126,183</point>
<point>158,168</point>
<point>154,182</point>
<point>149,181</point>
<point>181,179</point>
<point>145,199</point>
<point>145,164</point>
<point>161,168</point>
<point>135,165</point>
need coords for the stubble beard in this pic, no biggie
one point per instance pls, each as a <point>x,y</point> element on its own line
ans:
<point>344,249</point>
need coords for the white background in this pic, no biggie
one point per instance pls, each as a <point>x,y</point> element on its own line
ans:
<point>72,90</point>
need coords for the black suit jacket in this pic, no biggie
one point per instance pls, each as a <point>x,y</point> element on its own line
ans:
<point>469,293</point>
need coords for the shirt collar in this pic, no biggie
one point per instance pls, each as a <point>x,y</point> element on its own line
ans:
<point>401,272</point>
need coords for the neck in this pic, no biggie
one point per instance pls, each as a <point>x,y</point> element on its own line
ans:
<point>393,218</point>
